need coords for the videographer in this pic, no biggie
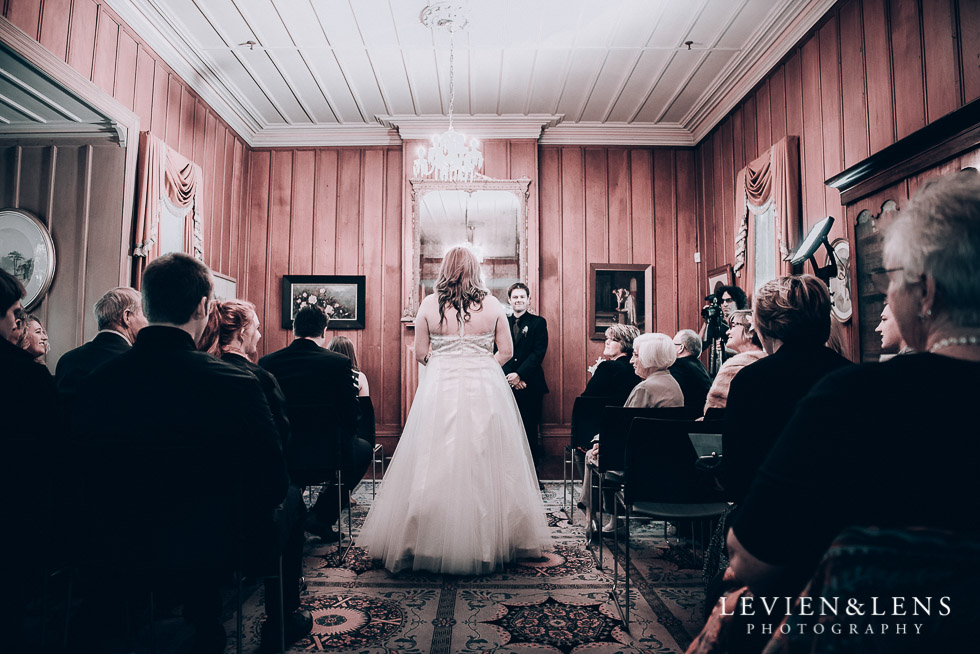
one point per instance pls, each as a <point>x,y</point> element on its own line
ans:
<point>714,331</point>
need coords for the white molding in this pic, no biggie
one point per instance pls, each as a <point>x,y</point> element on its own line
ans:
<point>147,20</point>
<point>737,80</point>
<point>108,130</point>
<point>335,135</point>
<point>482,126</point>
<point>595,133</point>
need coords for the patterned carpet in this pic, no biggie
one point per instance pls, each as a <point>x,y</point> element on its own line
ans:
<point>559,603</point>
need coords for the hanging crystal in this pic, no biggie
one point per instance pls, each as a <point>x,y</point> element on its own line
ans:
<point>451,157</point>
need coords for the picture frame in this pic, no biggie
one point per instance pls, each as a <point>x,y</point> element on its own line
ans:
<point>720,276</point>
<point>341,296</point>
<point>27,252</point>
<point>225,287</point>
<point>619,293</point>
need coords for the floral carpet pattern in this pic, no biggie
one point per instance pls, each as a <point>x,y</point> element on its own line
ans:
<point>559,603</point>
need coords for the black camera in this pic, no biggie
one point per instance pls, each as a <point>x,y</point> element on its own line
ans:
<point>715,319</point>
<point>711,310</point>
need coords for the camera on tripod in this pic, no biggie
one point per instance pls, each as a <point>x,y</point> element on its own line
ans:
<point>714,317</point>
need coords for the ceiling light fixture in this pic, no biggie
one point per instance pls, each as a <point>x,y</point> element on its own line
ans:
<point>450,157</point>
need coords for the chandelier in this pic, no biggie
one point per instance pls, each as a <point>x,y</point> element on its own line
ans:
<point>451,156</point>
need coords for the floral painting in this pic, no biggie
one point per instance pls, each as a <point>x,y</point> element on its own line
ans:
<point>341,297</point>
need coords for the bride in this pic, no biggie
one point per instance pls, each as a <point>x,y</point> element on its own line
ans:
<point>461,495</point>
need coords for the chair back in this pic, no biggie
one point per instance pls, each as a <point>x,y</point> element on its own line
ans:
<point>317,448</point>
<point>714,413</point>
<point>587,418</point>
<point>661,464</point>
<point>366,428</point>
<point>615,426</point>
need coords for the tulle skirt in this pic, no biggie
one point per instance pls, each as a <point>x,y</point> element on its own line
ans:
<point>460,495</point>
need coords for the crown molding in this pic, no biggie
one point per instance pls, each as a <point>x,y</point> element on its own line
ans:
<point>595,133</point>
<point>772,41</point>
<point>483,126</point>
<point>283,136</point>
<point>147,20</point>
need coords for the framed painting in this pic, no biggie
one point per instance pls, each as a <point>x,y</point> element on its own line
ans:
<point>27,253</point>
<point>225,287</point>
<point>340,296</point>
<point>720,276</point>
<point>619,293</point>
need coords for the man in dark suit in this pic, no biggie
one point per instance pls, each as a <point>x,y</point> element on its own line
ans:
<point>524,373</point>
<point>119,316</point>
<point>689,372</point>
<point>195,436</point>
<point>321,401</point>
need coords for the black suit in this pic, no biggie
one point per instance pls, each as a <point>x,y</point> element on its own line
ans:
<point>530,345</point>
<point>29,419</point>
<point>322,407</point>
<point>75,365</point>
<point>690,375</point>
<point>183,451</point>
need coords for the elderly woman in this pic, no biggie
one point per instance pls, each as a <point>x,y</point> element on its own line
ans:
<point>878,462</point>
<point>792,318</point>
<point>743,339</point>
<point>615,378</point>
<point>653,354</point>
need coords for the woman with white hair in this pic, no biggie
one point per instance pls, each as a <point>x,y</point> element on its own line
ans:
<point>890,445</point>
<point>652,355</point>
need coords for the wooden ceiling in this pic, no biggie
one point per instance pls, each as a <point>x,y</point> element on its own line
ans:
<point>362,72</point>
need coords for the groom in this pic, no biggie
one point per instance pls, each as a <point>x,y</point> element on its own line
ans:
<point>524,373</point>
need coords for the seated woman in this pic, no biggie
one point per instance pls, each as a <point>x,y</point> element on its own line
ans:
<point>34,339</point>
<point>743,339</point>
<point>653,354</point>
<point>343,345</point>
<point>887,444</point>
<point>792,317</point>
<point>615,377</point>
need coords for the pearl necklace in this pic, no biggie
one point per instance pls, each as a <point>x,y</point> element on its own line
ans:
<point>955,340</point>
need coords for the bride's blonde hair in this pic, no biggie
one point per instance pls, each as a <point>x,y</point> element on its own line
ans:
<point>460,283</point>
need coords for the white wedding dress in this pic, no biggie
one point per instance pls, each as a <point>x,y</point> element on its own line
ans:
<point>461,495</point>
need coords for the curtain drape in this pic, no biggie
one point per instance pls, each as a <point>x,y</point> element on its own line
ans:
<point>772,179</point>
<point>164,173</point>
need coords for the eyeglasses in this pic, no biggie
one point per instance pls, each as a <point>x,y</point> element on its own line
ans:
<point>727,300</point>
<point>880,278</point>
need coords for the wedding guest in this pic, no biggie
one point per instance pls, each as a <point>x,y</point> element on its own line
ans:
<point>688,370</point>
<point>614,377</point>
<point>323,412</point>
<point>232,334</point>
<point>215,413</point>
<point>119,317</point>
<point>35,339</point>
<point>792,317</point>
<point>653,355</point>
<point>843,460</point>
<point>343,345</point>
<point>17,331</point>
<point>28,414</point>
<point>523,370</point>
<point>892,342</point>
<point>743,339</point>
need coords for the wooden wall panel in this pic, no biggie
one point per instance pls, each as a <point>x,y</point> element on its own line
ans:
<point>871,72</point>
<point>330,211</point>
<point>644,199</point>
<point>106,40</point>
<point>54,26</point>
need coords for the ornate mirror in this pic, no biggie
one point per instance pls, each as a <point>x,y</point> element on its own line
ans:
<point>489,215</point>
